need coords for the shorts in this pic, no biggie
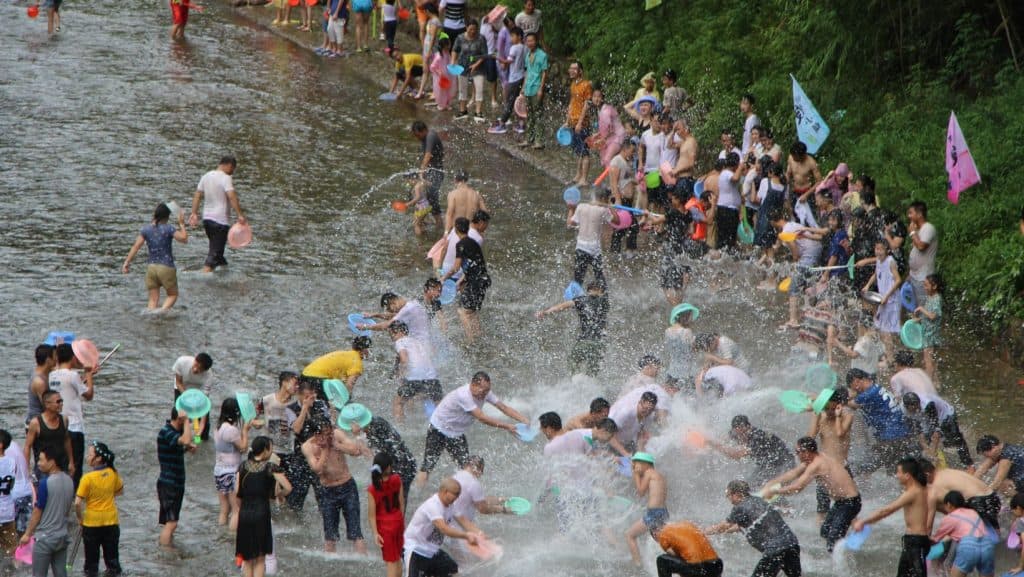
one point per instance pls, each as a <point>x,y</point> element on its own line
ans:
<point>490,67</point>
<point>654,518</point>
<point>170,498</point>
<point>658,195</point>
<point>669,564</point>
<point>586,355</point>
<point>225,483</point>
<point>434,179</point>
<point>473,293</point>
<point>803,278</point>
<point>8,537</point>
<point>787,560</point>
<point>673,275</point>
<point>912,557</point>
<point>162,276</point>
<point>362,6</point>
<point>336,30</point>
<point>975,554</point>
<point>579,143</point>
<point>440,565</point>
<point>22,512</point>
<point>417,71</point>
<point>179,12</point>
<point>837,520</point>
<point>341,499</point>
<point>478,87</point>
<point>393,534</point>
<point>422,212</point>
<point>429,387</point>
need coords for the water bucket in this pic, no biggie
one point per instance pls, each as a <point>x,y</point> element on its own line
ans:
<point>388,97</point>
<point>33,12</point>
<point>399,206</point>
<point>485,549</point>
<point>571,196</point>
<point>193,403</point>
<point>795,401</point>
<point>820,376</point>
<point>519,106</point>
<point>336,392</point>
<point>785,284</point>
<point>855,539</point>
<point>525,433</point>
<point>455,70</point>
<point>246,406</point>
<point>518,505</point>
<point>666,174</point>
<point>787,236</point>
<point>239,235</point>
<point>356,319</point>
<point>745,232</point>
<point>936,551</point>
<point>912,335</point>
<point>23,554</point>
<point>573,290</point>
<point>907,297</point>
<point>653,179</point>
<point>872,297</point>
<point>625,220</point>
<point>448,291</point>
<point>86,352</point>
<point>822,399</point>
<point>683,308</point>
<point>57,337</point>
<point>698,188</point>
<point>403,14</point>
<point>564,136</point>
<point>444,83</point>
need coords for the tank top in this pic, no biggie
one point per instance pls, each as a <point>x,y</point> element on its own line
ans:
<point>35,406</point>
<point>49,437</point>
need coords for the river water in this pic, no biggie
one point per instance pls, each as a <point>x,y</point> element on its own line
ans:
<point>104,121</point>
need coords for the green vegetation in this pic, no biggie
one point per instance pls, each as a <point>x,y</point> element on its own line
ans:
<point>884,74</point>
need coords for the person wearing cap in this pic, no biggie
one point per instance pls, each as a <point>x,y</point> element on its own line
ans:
<point>836,183</point>
<point>73,391</point>
<point>375,434</point>
<point>97,511</point>
<point>1008,461</point>
<point>216,193</point>
<point>598,412</point>
<point>415,370</point>
<point>454,415</point>
<point>158,237</point>
<point>651,484</point>
<point>675,98</point>
<point>688,553</point>
<point>769,453</point>
<point>336,493</point>
<point>194,373</point>
<point>425,533</point>
<point>765,530</point>
<point>882,414</point>
<point>592,310</point>
<point>634,418</point>
<point>345,366</point>
<point>829,473</point>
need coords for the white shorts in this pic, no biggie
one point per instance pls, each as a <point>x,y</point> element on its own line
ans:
<point>336,31</point>
<point>478,87</point>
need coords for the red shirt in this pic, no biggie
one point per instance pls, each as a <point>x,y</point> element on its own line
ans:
<point>386,500</point>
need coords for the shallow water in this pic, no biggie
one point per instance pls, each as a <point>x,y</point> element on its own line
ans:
<point>108,119</point>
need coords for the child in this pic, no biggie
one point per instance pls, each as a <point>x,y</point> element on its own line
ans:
<point>866,352</point>
<point>1017,528</point>
<point>930,316</point>
<point>887,278</point>
<point>390,14</point>
<point>650,483</point>
<point>231,440</point>
<point>421,207</point>
<point>443,95</point>
<point>516,63</point>
<point>386,510</point>
<point>337,15</point>
<point>679,338</point>
<point>962,525</point>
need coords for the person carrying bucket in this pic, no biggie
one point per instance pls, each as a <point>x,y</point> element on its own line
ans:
<point>592,309</point>
<point>589,218</point>
<point>216,194</point>
<point>172,443</point>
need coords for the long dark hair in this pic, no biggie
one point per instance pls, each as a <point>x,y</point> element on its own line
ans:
<point>259,444</point>
<point>382,463</point>
<point>229,412</point>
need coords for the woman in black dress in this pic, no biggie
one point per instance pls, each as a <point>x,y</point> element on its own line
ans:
<point>259,481</point>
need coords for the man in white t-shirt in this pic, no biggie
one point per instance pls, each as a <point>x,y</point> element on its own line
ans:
<point>924,240</point>
<point>455,414</point>
<point>216,192</point>
<point>194,373</point>
<point>723,381</point>
<point>415,370</point>
<point>634,419</point>
<point>471,501</point>
<point>590,218</point>
<point>400,309</point>
<point>275,412</point>
<point>74,391</point>
<point>425,534</point>
<point>529,20</point>
<point>750,119</point>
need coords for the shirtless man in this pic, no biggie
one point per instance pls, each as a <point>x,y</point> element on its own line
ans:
<point>802,171</point>
<point>832,430</point>
<point>833,476</point>
<point>687,159</point>
<point>914,502</point>
<point>599,408</point>
<point>650,483</point>
<point>463,201</point>
<point>325,451</point>
<point>979,496</point>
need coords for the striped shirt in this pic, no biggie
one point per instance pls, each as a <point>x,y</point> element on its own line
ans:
<point>171,456</point>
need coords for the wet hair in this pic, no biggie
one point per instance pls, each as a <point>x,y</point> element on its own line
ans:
<point>727,132</point>
<point>838,215</point>
<point>841,396</point>
<point>732,160</point>
<point>936,279</point>
<point>551,420</point>
<point>43,354</point>
<point>5,439</point>
<point>776,214</point>
<point>56,454</point>
<point>65,353</point>
<point>259,444</point>
<point>381,462</point>
<point>798,149</point>
<point>462,225</point>
<point>318,423</point>
<point>778,170</point>
<point>714,388</point>
<point>648,360</point>
<point>306,384</point>
<point>473,461</point>
<point>910,466</point>
<point>904,358</point>
<point>229,160</point>
<point>702,342</point>
<point>398,327</point>
<point>174,412</point>
<point>516,31</point>
<point>927,466</point>
<point>481,216</point>
<point>386,298</point>
<point>749,98</point>
<point>854,374</point>
<point>595,286</point>
<point>955,499</point>
<point>161,213</point>
<point>461,175</point>
<point>740,421</point>
<point>431,283</point>
<point>284,376</point>
<point>986,444</point>
<point>480,376</point>
<point>806,444</point>
<point>599,404</point>
<point>229,412</point>
<point>867,183</point>
<point>205,361</point>
<point>1017,502</point>
<point>920,207</point>
<point>419,126</point>
<point>361,343</point>
<point>607,425</point>
<point>738,487</point>
<point>649,397</point>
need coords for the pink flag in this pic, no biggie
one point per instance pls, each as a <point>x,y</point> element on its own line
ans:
<point>959,163</point>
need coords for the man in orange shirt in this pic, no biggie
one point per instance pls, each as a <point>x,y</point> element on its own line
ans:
<point>687,551</point>
<point>579,118</point>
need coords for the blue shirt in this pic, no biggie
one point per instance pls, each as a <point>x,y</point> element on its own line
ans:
<point>881,413</point>
<point>171,456</point>
<point>158,240</point>
<point>536,64</point>
<point>838,249</point>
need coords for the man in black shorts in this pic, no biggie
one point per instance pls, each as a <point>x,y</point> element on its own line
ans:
<point>431,167</point>
<point>171,444</point>
<point>469,258</point>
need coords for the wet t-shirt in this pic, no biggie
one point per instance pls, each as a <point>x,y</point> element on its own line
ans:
<point>768,451</point>
<point>593,313</point>
<point>158,239</point>
<point>762,525</point>
<point>1014,454</point>
<point>677,230</point>
<point>432,143</point>
<point>473,264</point>
<point>383,438</point>
<point>881,413</point>
<point>421,534</point>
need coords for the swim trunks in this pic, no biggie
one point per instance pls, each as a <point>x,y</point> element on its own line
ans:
<point>654,518</point>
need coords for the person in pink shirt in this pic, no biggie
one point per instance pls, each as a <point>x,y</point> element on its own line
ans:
<point>610,132</point>
<point>975,551</point>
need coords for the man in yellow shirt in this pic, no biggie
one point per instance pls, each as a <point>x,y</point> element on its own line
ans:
<point>100,528</point>
<point>688,553</point>
<point>407,67</point>
<point>345,366</point>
